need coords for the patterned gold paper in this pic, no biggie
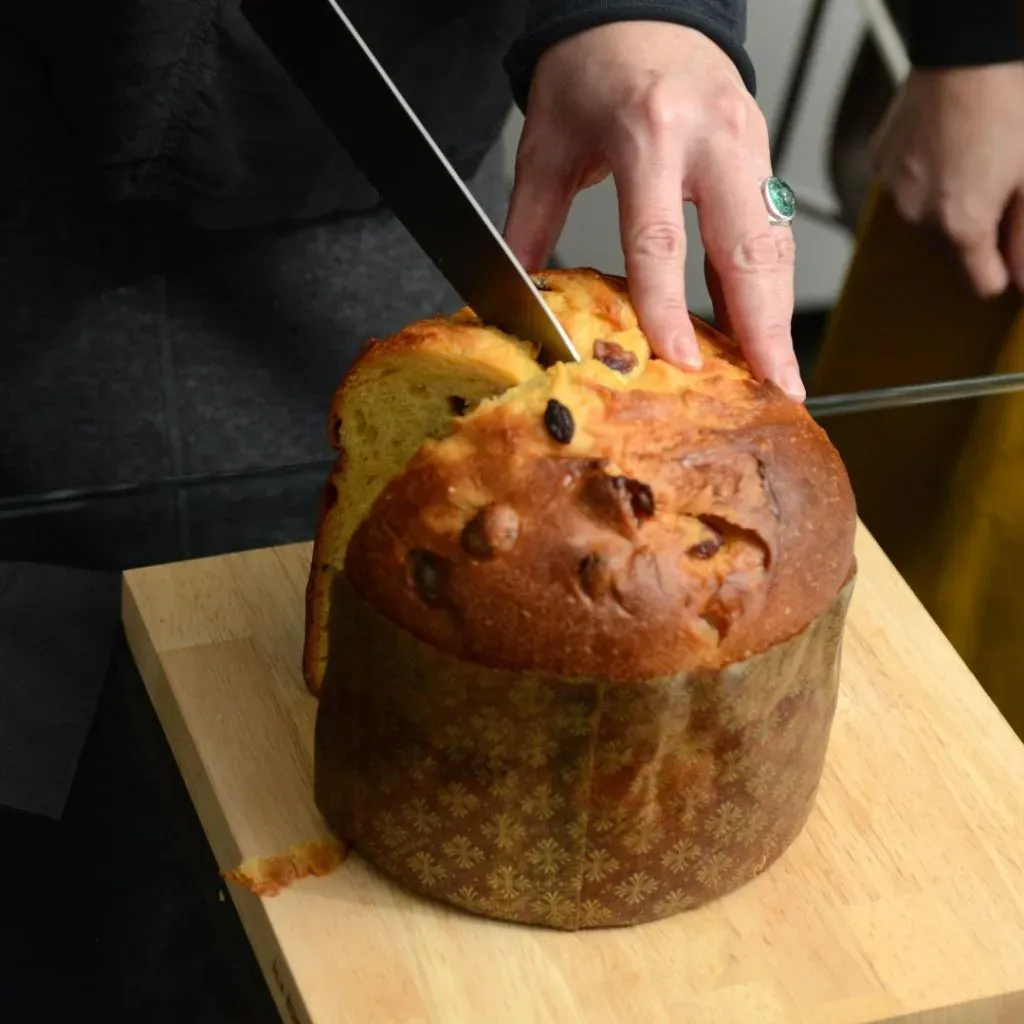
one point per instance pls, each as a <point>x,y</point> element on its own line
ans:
<point>569,803</point>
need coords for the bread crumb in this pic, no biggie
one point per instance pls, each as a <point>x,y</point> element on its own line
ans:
<point>268,876</point>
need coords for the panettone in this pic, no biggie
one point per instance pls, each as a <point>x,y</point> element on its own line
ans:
<point>575,630</point>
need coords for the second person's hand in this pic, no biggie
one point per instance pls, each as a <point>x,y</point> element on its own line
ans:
<point>951,153</point>
<point>663,109</point>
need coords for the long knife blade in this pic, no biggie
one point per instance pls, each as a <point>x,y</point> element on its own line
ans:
<point>25,505</point>
<point>323,54</point>
<point>875,399</point>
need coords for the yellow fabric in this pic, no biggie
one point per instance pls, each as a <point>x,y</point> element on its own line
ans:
<point>941,487</point>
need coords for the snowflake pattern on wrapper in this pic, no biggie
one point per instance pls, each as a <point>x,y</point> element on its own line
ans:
<point>570,804</point>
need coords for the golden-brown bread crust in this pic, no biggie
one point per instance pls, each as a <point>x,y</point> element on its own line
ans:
<point>749,538</point>
<point>318,586</point>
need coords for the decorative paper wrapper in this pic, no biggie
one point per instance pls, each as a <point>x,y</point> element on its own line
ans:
<point>569,803</point>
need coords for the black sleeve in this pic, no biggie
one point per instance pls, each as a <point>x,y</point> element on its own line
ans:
<point>964,33</point>
<point>549,21</point>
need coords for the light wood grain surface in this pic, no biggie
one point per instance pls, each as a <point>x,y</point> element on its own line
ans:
<point>903,898</point>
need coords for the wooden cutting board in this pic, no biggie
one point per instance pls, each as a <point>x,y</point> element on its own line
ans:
<point>903,896</point>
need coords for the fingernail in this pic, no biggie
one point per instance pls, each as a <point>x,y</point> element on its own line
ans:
<point>687,359</point>
<point>788,378</point>
<point>691,360</point>
<point>685,353</point>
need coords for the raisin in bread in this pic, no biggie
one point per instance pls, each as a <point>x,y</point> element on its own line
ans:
<point>575,630</point>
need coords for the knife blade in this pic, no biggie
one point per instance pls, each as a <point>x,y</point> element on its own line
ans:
<point>325,57</point>
<point>875,399</point>
<point>23,505</point>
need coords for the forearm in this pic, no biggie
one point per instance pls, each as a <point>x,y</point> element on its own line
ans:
<point>954,33</point>
<point>549,21</point>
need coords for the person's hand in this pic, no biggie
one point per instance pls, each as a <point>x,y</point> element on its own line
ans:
<point>951,153</point>
<point>664,110</point>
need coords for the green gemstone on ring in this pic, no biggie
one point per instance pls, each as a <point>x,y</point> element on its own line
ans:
<point>781,199</point>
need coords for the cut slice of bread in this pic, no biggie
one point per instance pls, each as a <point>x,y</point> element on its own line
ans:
<point>401,391</point>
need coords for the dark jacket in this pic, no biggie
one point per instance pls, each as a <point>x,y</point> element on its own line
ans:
<point>964,33</point>
<point>178,102</point>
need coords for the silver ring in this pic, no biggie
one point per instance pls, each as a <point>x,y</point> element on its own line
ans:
<point>780,200</point>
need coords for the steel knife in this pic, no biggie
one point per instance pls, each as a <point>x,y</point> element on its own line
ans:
<point>20,506</point>
<point>875,399</point>
<point>322,53</point>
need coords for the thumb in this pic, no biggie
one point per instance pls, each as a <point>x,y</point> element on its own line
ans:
<point>1014,245</point>
<point>983,261</point>
<point>538,209</point>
